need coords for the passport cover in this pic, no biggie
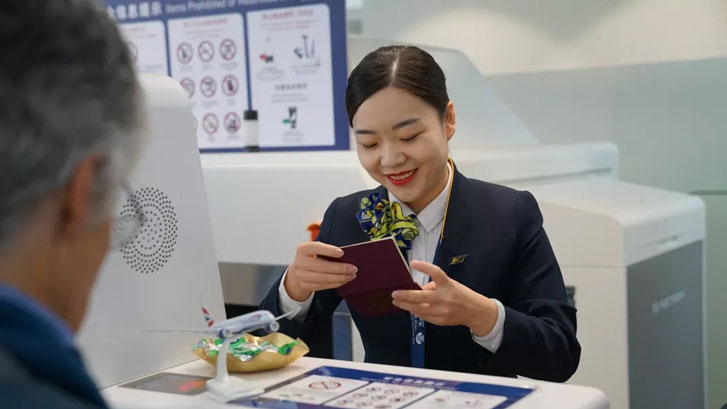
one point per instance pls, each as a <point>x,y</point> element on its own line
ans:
<point>382,269</point>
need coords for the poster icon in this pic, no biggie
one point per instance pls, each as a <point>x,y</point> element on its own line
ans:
<point>206,51</point>
<point>188,86</point>
<point>208,86</point>
<point>228,50</point>
<point>232,122</point>
<point>292,118</point>
<point>185,52</point>
<point>267,57</point>
<point>230,85</point>
<point>308,50</point>
<point>210,123</point>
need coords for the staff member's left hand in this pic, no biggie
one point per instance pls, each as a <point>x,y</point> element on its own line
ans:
<point>446,302</point>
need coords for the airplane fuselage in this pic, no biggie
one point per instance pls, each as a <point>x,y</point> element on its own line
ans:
<point>245,323</point>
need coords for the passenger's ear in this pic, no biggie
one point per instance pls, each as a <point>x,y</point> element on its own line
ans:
<point>77,198</point>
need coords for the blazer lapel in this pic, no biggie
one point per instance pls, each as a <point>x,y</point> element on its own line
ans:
<point>454,248</point>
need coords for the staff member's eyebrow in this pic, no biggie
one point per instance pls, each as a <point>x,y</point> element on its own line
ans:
<point>393,128</point>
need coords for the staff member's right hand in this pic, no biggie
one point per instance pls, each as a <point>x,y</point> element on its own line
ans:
<point>309,273</point>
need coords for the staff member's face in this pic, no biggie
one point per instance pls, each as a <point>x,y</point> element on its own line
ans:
<point>402,143</point>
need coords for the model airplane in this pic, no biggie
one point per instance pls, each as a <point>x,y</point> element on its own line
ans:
<point>223,386</point>
<point>234,328</point>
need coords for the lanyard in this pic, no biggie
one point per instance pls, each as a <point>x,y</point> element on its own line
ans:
<point>417,324</point>
<point>418,329</point>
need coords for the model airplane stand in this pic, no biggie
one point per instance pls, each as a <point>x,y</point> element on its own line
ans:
<point>225,387</point>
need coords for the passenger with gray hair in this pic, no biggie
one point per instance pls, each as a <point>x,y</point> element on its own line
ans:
<point>71,126</point>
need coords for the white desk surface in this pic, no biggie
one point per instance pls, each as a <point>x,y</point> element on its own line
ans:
<point>546,395</point>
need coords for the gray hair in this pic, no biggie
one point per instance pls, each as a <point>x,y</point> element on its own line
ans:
<point>68,91</point>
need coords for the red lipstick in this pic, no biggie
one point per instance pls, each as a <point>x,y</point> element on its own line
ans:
<point>402,178</point>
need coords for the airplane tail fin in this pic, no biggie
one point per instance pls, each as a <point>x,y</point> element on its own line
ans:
<point>207,317</point>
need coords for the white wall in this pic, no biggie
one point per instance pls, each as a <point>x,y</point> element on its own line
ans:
<point>535,35</point>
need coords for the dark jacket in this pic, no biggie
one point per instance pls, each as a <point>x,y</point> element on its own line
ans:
<point>509,258</point>
<point>39,365</point>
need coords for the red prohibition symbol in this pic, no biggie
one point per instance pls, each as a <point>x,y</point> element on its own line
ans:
<point>206,51</point>
<point>208,86</point>
<point>228,50</point>
<point>188,86</point>
<point>325,385</point>
<point>185,53</point>
<point>230,85</point>
<point>232,122</point>
<point>210,123</point>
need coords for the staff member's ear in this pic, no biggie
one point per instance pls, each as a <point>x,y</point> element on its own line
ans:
<point>450,121</point>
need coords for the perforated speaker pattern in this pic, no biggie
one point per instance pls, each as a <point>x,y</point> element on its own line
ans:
<point>154,242</point>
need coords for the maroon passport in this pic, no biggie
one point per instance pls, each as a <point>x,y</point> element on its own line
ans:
<point>381,270</point>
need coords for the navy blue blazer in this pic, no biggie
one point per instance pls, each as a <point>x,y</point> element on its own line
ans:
<point>509,258</point>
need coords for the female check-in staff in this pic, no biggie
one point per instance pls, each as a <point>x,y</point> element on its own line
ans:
<point>492,298</point>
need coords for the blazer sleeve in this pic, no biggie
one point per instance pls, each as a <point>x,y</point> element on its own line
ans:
<point>316,330</point>
<point>539,336</point>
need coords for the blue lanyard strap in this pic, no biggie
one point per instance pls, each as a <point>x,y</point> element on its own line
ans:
<point>418,330</point>
<point>417,342</point>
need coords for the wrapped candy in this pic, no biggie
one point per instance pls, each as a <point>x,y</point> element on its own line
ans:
<point>254,354</point>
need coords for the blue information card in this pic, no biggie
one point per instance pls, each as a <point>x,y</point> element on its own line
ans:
<point>332,387</point>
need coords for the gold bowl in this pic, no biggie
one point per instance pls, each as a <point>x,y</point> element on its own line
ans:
<point>254,354</point>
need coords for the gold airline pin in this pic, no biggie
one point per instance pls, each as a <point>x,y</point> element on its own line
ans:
<point>457,259</point>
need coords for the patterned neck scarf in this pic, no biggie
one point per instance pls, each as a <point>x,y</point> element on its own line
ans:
<point>380,218</point>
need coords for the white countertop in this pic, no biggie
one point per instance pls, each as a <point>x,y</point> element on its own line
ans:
<point>546,395</point>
